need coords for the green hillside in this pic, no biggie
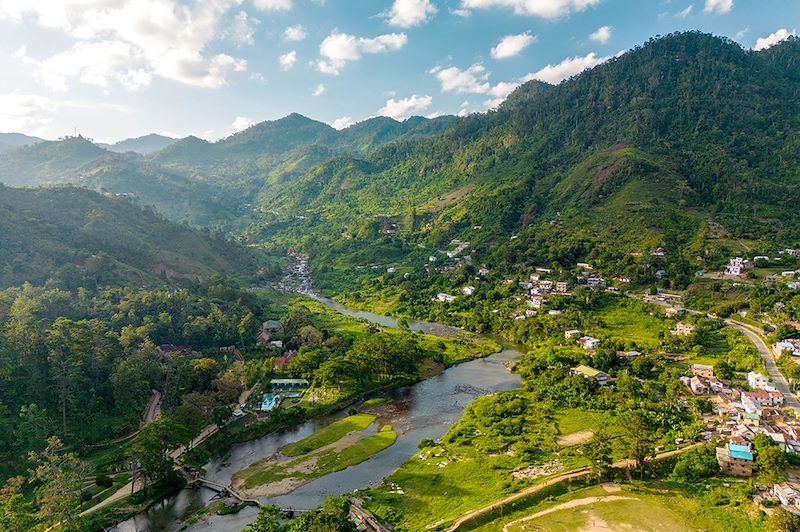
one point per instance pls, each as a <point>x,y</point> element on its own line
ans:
<point>644,151</point>
<point>80,238</point>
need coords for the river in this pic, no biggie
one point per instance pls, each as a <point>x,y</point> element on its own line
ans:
<point>426,409</point>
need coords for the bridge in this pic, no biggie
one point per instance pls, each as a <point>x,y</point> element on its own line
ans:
<point>228,491</point>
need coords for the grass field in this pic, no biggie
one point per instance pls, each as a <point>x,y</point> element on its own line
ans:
<point>629,321</point>
<point>333,432</point>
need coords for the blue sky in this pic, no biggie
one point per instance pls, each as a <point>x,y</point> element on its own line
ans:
<point>121,68</point>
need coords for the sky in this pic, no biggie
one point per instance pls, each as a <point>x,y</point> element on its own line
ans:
<point>113,69</point>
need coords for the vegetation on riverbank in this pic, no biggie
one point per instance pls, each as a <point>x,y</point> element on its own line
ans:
<point>342,444</point>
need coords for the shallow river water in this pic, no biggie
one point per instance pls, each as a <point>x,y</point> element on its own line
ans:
<point>423,410</point>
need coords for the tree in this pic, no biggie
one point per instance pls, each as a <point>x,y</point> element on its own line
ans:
<point>771,461</point>
<point>637,438</point>
<point>152,447</point>
<point>268,520</point>
<point>695,465</point>
<point>16,512</point>
<point>333,517</point>
<point>598,451</point>
<point>59,476</point>
<point>783,521</point>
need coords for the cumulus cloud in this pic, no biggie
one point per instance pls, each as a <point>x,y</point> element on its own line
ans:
<point>683,13</point>
<point>342,122</point>
<point>470,80</point>
<point>130,42</point>
<point>602,35</point>
<point>511,45</point>
<point>718,7</point>
<point>405,107</point>
<point>773,39</point>
<point>295,33</point>
<point>319,90</point>
<point>567,68</point>
<point>243,29</point>
<point>339,48</point>
<point>241,123</point>
<point>288,60</point>
<point>409,13</point>
<point>273,5</point>
<point>540,8</point>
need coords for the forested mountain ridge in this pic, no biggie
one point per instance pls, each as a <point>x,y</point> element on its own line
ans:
<point>644,150</point>
<point>76,237</point>
<point>208,184</point>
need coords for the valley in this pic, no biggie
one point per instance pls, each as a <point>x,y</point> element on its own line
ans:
<point>577,310</point>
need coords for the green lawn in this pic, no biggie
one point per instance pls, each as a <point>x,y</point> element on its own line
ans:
<point>333,432</point>
<point>629,321</point>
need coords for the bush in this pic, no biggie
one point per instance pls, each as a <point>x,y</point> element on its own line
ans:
<point>425,443</point>
<point>104,481</point>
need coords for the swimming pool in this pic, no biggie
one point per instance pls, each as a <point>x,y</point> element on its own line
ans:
<point>269,402</point>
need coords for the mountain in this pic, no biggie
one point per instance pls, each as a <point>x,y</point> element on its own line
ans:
<point>47,161</point>
<point>652,148</point>
<point>12,141</point>
<point>77,237</point>
<point>144,145</point>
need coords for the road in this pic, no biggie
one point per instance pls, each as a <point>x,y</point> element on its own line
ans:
<point>778,380</point>
<point>153,408</point>
<point>129,488</point>
<point>549,482</point>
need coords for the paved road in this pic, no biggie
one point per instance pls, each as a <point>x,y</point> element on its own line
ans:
<point>768,356</point>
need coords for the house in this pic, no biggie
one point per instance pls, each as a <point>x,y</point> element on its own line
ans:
<point>172,349</point>
<point>555,312</point>
<point>737,265</point>
<point>585,266</point>
<point>787,493</point>
<point>750,419</point>
<point>262,338</point>
<point>764,398</point>
<point>572,333</point>
<point>735,459</point>
<point>658,252</point>
<point>759,381</point>
<point>622,279</point>
<point>536,301</point>
<point>544,270</point>
<point>672,312</point>
<point>444,298</point>
<point>588,342</point>
<point>535,277</point>
<point>750,406</point>
<point>276,343</point>
<point>698,386</point>
<point>272,326</point>
<point>595,282</point>
<point>282,363</point>
<point>562,286</point>
<point>684,329</point>
<point>289,383</point>
<point>703,370</point>
<point>792,345</point>
<point>546,286</point>
<point>600,377</point>
<point>525,285</point>
<point>468,290</point>
<point>483,271</point>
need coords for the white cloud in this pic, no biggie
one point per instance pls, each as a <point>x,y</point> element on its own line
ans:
<point>243,29</point>
<point>130,41</point>
<point>273,5</point>
<point>683,13</point>
<point>471,80</point>
<point>463,13</point>
<point>339,48</point>
<point>295,33</point>
<point>566,68</point>
<point>241,123</point>
<point>403,108</point>
<point>718,7</point>
<point>25,112</point>
<point>288,60</point>
<point>539,8</point>
<point>602,35</point>
<point>773,39</point>
<point>409,13</point>
<point>511,45</point>
<point>342,123</point>
<point>319,90</point>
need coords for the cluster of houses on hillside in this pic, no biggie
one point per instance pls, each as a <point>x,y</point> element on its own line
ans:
<point>791,346</point>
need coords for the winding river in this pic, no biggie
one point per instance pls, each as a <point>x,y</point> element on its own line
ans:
<point>423,410</point>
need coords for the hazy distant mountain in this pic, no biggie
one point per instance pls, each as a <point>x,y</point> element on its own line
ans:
<point>82,237</point>
<point>142,145</point>
<point>12,141</point>
<point>47,161</point>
